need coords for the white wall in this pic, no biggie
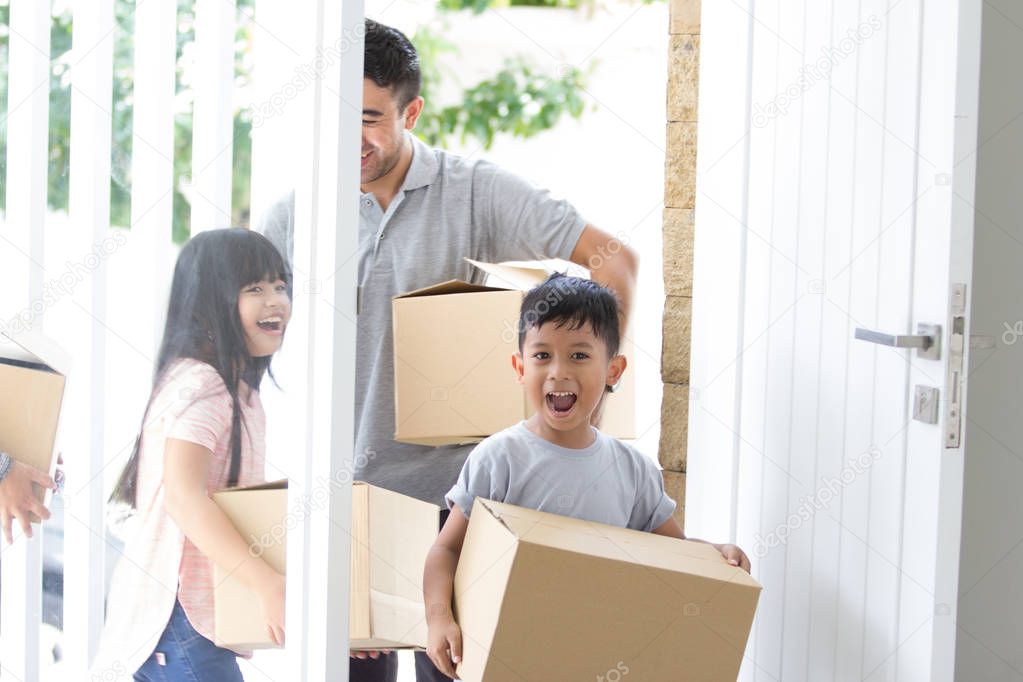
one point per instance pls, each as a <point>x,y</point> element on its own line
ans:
<point>991,601</point>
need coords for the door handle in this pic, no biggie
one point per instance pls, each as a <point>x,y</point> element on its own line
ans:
<point>926,341</point>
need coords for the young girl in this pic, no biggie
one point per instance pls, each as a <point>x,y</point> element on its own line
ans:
<point>203,430</point>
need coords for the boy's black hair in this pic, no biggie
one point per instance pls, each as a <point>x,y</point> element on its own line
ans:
<point>575,302</point>
<point>392,62</point>
<point>203,323</point>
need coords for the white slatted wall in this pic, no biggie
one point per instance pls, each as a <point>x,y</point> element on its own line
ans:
<point>807,228</point>
<point>112,345</point>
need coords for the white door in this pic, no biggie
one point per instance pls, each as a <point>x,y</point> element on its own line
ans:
<point>834,185</point>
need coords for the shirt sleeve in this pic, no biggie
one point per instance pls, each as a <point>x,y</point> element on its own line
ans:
<point>653,506</point>
<point>278,225</point>
<point>200,408</point>
<point>521,221</point>
<point>482,475</point>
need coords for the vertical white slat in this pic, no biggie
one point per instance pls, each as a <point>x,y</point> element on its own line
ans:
<point>27,129</point>
<point>781,481</point>
<point>836,339</point>
<point>212,123</point>
<point>866,104</point>
<point>84,503</point>
<point>811,181</point>
<point>280,77</point>
<point>152,161</point>
<point>720,240</point>
<point>327,201</point>
<point>753,463</point>
<point>895,229</point>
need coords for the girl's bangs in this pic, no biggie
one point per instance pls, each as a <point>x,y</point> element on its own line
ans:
<point>258,260</point>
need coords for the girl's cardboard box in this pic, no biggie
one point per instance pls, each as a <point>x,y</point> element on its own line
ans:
<point>541,597</point>
<point>391,536</point>
<point>453,377</point>
<point>33,373</point>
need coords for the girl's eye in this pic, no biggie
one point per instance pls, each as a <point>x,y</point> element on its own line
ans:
<point>282,288</point>
<point>254,289</point>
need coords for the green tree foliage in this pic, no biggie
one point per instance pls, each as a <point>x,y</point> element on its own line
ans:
<point>518,100</point>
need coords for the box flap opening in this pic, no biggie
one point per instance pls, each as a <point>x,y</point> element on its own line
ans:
<point>28,348</point>
<point>452,286</point>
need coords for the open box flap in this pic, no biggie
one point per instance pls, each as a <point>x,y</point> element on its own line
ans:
<point>28,345</point>
<point>452,286</point>
<point>518,275</point>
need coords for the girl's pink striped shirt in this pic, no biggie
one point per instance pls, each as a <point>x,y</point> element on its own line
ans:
<point>159,564</point>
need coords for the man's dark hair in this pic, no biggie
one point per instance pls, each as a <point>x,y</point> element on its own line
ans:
<point>392,62</point>
<point>573,302</point>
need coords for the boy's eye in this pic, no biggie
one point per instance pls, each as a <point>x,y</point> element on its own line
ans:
<point>542,355</point>
<point>579,356</point>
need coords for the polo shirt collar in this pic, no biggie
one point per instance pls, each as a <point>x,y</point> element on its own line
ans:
<point>423,168</point>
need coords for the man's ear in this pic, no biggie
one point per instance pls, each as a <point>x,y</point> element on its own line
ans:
<point>616,369</point>
<point>519,366</point>
<point>412,112</point>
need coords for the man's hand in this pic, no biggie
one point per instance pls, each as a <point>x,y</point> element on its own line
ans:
<point>369,654</point>
<point>18,500</point>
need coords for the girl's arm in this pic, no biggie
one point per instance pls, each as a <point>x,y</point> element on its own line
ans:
<point>185,472</point>
<point>438,587</point>
<point>732,553</point>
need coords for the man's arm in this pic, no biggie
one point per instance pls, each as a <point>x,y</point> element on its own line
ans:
<point>610,263</point>
<point>17,496</point>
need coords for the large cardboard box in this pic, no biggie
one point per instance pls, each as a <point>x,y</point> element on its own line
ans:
<point>33,373</point>
<point>391,536</point>
<point>541,597</point>
<point>453,377</point>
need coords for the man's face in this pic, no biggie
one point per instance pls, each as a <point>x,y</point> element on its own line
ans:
<point>383,130</point>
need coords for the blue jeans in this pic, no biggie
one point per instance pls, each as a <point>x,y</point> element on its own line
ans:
<point>183,655</point>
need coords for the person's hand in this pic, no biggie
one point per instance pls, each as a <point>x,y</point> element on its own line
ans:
<point>734,556</point>
<point>18,499</point>
<point>444,645</point>
<point>271,605</point>
<point>362,655</point>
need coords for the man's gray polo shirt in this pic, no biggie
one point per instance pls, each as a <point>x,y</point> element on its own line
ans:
<point>447,209</point>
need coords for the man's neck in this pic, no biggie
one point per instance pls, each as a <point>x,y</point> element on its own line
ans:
<point>386,187</point>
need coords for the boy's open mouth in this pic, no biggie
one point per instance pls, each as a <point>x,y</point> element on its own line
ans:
<point>561,402</point>
<point>271,324</point>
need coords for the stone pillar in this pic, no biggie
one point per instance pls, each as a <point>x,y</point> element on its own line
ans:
<point>679,200</point>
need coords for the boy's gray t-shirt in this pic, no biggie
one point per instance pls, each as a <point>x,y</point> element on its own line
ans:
<point>608,482</point>
<point>449,208</point>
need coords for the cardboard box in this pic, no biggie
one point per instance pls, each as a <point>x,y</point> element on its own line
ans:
<point>33,373</point>
<point>391,536</point>
<point>541,597</point>
<point>453,377</point>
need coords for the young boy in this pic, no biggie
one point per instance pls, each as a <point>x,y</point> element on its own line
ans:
<point>555,461</point>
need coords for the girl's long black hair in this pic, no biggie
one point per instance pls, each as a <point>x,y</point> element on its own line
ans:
<point>203,324</point>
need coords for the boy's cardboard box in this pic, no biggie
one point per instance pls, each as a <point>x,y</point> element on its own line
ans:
<point>33,373</point>
<point>391,535</point>
<point>453,377</point>
<point>541,597</point>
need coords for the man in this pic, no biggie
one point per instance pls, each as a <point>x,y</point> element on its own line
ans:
<point>17,496</point>
<point>422,211</point>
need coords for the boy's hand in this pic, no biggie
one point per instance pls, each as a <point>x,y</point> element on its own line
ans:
<point>368,654</point>
<point>444,645</point>
<point>735,556</point>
